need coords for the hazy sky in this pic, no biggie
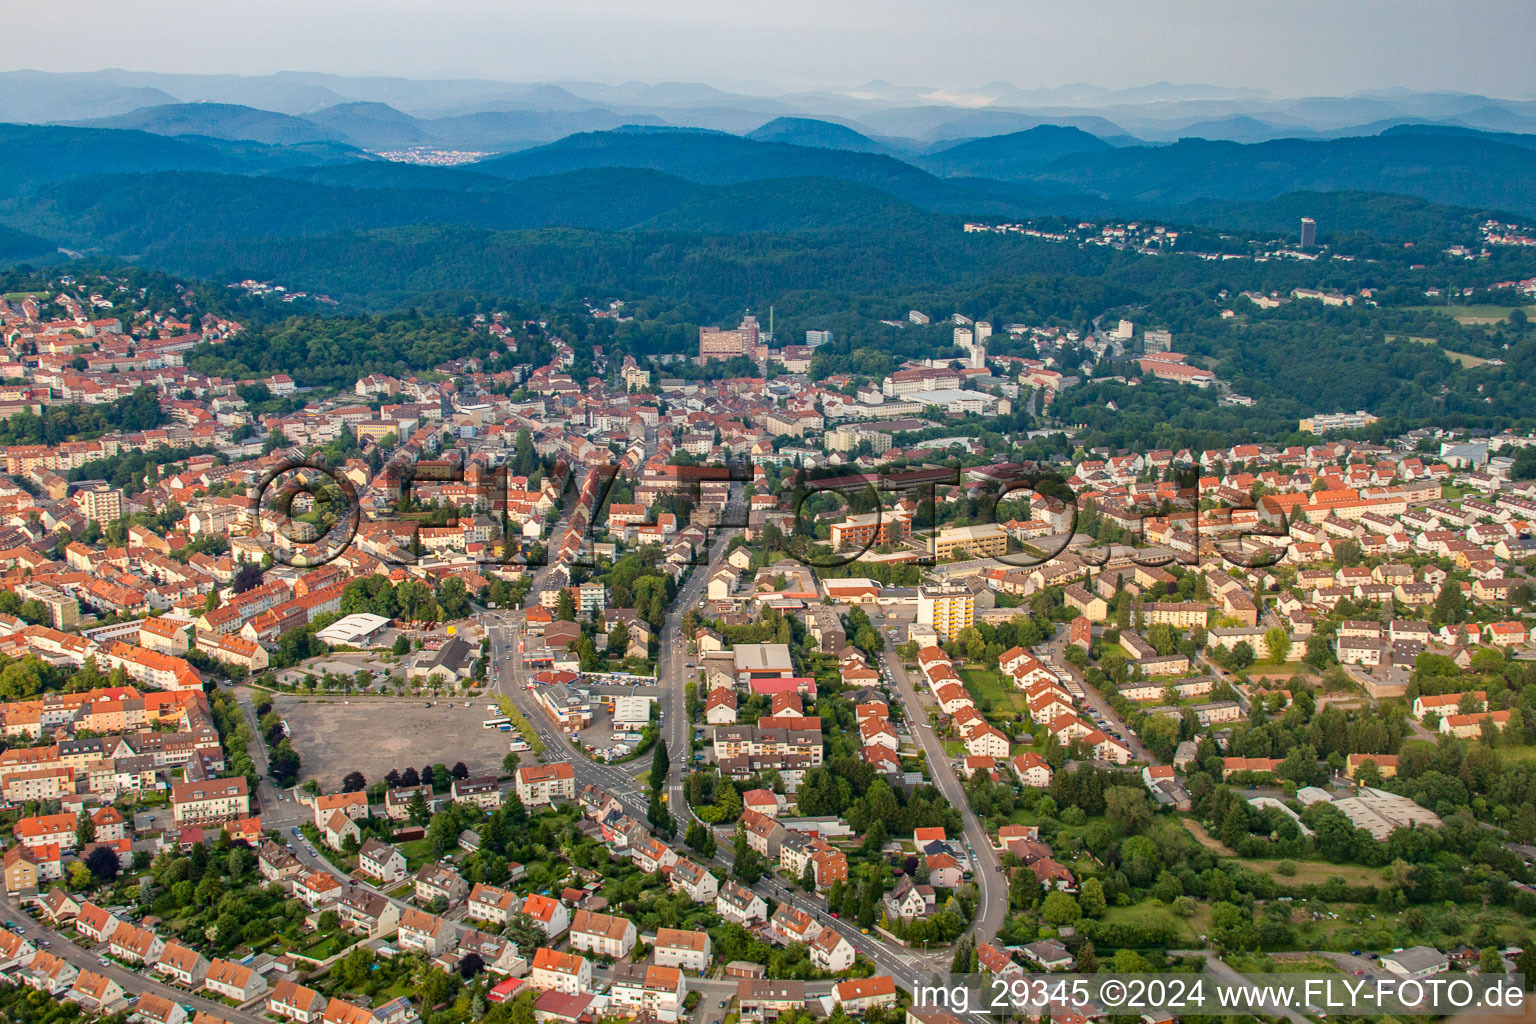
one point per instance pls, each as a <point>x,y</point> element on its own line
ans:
<point>1292,47</point>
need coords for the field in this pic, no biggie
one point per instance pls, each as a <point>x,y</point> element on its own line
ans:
<point>1479,314</point>
<point>1311,872</point>
<point>373,735</point>
<point>1461,357</point>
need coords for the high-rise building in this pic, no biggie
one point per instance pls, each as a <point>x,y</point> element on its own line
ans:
<point>1157,341</point>
<point>948,609</point>
<point>815,338</point>
<point>1308,232</point>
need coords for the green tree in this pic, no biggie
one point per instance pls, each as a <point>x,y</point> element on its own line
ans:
<point>1060,908</point>
<point>1091,898</point>
<point>1278,643</point>
<point>85,829</point>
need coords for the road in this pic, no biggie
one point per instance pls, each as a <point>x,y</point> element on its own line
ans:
<point>991,883</point>
<point>1055,656</point>
<point>133,982</point>
<point>1227,976</point>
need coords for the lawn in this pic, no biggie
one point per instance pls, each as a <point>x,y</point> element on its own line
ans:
<point>1313,872</point>
<point>1152,914</point>
<point>992,694</point>
<point>416,853</point>
<point>1482,314</point>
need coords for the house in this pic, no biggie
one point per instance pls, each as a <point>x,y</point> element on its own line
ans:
<point>381,861</point>
<point>740,905</point>
<point>652,855</point>
<point>277,864</point>
<point>831,952</point>
<point>95,923</point>
<point>1049,954</point>
<point>698,882</point>
<point>353,805</point>
<point>236,981</point>
<point>397,802</point>
<point>97,993</point>
<point>603,934</point>
<point>316,889</point>
<point>50,973</point>
<point>543,784</point>
<point>860,995</point>
<point>434,880</point>
<point>15,951</point>
<point>676,947</point>
<point>763,998</point>
<point>560,972</point>
<point>549,914</point>
<point>484,792</point>
<point>135,945</point>
<point>153,1009</point>
<point>1032,770</point>
<point>291,1001</point>
<point>910,900</point>
<point>338,829</point>
<point>995,961</point>
<point>790,925</point>
<point>426,932</point>
<point>364,912</point>
<point>182,965</point>
<point>1386,764</point>
<point>649,989</point>
<point>489,903</point>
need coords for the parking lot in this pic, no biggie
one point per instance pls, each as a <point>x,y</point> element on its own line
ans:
<point>373,735</point>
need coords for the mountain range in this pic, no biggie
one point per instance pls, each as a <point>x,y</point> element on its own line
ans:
<point>133,177</point>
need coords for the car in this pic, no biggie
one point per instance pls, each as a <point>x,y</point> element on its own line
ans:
<point>1359,974</point>
<point>834,913</point>
<point>104,961</point>
<point>1354,952</point>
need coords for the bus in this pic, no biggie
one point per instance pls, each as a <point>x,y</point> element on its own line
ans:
<point>496,723</point>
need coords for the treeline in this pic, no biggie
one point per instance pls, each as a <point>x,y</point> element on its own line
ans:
<point>338,351</point>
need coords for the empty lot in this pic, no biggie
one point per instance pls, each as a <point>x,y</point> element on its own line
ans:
<point>373,735</point>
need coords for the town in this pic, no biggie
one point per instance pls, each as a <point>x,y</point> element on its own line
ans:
<point>570,687</point>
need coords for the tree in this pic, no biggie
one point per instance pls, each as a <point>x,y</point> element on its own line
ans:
<point>402,645</point>
<point>471,965</point>
<point>1451,606</point>
<point>85,830</point>
<point>1127,810</point>
<point>1278,643</point>
<point>459,770</point>
<point>353,782</point>
<point>808,877</point>
<point>701,839</point>
<point>103,864</point>
<point>565,607</point>
<point>509,763</point>
<point>1091,898</point>
<point>1060,908</point>
<point>661,764</point>
<point>1087,962</point>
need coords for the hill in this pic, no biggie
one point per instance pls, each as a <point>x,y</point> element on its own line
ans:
<point>806,131</point>
<point>218,121</point>
<point>718,158</point>
<point>34,156</point>
<point>1462,170</point>
<point>1013,156</point>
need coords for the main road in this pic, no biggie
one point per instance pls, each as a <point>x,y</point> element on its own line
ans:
<point>991,883</point>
